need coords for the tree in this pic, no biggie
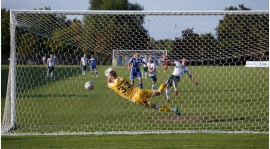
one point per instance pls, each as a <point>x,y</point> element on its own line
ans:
<point>241,7</point>
<point>63,40</point>
<point>5,31</point>
<point>240,34</point>
<point>106,33</point>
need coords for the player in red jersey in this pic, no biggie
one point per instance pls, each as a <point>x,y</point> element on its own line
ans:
<point>165,60</point>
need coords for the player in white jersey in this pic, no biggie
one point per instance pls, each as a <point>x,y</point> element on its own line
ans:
<point>144,72</point>
<point>178,72</point>
<point>50,66</point>
<point>151,70</point>
<point>44,59</point>
<point>83,64</point>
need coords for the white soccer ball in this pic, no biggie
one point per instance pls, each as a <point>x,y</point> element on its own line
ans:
<point>89,85</point>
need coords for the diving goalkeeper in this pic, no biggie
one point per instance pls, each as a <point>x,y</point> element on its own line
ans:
<point>122,87</point>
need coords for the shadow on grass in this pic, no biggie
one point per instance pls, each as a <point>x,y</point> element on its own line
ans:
<point>197,119</point>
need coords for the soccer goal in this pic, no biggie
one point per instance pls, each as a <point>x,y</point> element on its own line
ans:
<point>227,53</point>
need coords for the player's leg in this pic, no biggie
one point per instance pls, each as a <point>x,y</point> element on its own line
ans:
<point>174,83</point>
<point>162,87</point>
<point>153,79</point>
<point>92,69</point>
<point>131,76</point>
<point>83,70</point>
<point>168,90</point>
<point>95,69</point>
<point>165,68</point>
<point>145,72</point>
<point>52,69</point>
<point>139,76</point>
<point>48,74</point>
<point>141,97</point>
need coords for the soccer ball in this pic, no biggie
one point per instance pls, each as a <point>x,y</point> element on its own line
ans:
<point>89,85</point>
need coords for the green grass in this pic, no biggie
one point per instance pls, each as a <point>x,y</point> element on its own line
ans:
<point>229,98</point>
<point>157,141</point>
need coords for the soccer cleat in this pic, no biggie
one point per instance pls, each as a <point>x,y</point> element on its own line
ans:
<point>176,111</point>
<point>167,100</point>
<point>175,93</point>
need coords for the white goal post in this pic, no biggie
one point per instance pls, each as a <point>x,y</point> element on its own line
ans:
<point>231,98</point>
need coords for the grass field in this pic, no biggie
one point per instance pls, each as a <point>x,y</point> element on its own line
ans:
<point>228,99</point>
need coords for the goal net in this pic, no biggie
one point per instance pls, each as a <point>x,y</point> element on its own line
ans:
<point>122,57</point>
<point>227,53</point>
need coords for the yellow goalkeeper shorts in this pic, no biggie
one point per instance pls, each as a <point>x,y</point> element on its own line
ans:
<point>142,96</point>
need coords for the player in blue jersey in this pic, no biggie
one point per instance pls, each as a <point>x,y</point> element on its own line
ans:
<point>134,68</point>
<point>92,62</point>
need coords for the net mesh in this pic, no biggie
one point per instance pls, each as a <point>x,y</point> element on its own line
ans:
<point>217,45</point>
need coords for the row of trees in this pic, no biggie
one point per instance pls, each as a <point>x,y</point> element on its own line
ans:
<point>236,35</point>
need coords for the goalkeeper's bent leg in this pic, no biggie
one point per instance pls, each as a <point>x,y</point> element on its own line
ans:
<point>160,107</point>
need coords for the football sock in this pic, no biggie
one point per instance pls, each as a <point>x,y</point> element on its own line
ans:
<point>174,86</point>
<point>164,108</point>
<point>51,76</point>
<point>141,85</point>
<point>96,73</point>
<point>168,93</point>
<point>155,86</point>
<point>161,87</point>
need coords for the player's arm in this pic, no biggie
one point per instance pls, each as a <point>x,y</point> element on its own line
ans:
<point>109,81</point>
<point>143,62</point>
<point>129,66</point>
<point>170,62</point>
<point>193,79</point>
<point>47,64</point>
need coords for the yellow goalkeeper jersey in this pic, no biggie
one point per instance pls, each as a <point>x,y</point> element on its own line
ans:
<point>122,87</point>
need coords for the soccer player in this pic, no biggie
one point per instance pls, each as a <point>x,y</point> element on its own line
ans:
<point>84,63</point>
<point>152,72</point>
<point>134,68</point>
<point>92,61</point>
<point>144,72</point>
<point>50,66</point>
<point>55,58</point>
<point>122,87</point>
<point>179,70</point>
<point>165,60</point>
<point>44,59</point>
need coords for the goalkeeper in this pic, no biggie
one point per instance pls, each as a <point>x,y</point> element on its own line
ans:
<point>122,87</point>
